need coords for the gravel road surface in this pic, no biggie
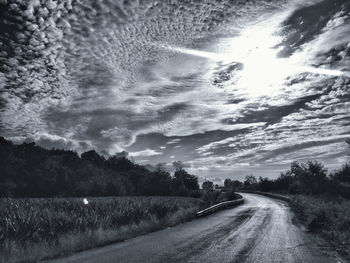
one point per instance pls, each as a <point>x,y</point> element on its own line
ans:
<point>260,230</point>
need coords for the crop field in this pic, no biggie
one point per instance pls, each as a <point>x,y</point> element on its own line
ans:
<point>32,229</point>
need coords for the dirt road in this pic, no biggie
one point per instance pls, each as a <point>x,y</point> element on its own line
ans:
<point>260,230</point>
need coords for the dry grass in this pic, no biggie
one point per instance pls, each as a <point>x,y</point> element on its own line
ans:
<point>33,229</point>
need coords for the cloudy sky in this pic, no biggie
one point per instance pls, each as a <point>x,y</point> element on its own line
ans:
<point>227,87</point>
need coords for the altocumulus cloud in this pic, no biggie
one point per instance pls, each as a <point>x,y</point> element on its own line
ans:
<point>74,56</point>
<point>93,74</point>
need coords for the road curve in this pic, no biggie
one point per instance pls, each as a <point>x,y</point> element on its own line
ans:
<point>260,230</point>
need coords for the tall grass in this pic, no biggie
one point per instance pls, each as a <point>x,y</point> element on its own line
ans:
<point>33,229</point>
<point>329,218</point>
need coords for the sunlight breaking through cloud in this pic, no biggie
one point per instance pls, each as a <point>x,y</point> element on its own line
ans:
<point>168,80</point>
<point>263,72</point>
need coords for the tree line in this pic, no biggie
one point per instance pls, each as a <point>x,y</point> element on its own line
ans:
<point>311,178</point>
<point>28,170</point>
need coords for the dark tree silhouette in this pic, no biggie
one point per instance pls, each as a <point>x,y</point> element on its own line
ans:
<point>207,185</point>
<point>309,178</point>
<point>250,180</point>
<point>28,170</point>
<point>189,181</point>
<point>93,157</point>
<point>227,184</point>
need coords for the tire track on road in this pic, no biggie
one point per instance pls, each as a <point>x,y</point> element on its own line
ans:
<point>196,246</point>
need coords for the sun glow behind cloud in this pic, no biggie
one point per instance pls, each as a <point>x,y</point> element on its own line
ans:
<point>288,91</point>
<point>263,72</point>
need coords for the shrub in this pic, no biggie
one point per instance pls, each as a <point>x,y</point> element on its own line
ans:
<point>330,218</point>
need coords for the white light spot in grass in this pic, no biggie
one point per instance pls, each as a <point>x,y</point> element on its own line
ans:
<point>85,201</point>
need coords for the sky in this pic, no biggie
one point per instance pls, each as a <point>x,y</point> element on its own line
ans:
<point>228,88</point>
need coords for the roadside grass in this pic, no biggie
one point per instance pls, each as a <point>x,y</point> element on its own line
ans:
<point>36,229</point>
<point>330,218</point>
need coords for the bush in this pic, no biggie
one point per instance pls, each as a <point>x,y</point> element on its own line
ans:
<point>343,174</point>
<point>330,218</point>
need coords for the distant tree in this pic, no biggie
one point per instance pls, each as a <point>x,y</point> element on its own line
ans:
<point>286,182</point>
<point>250,180</point>
<point>227,184</point>
<point>178,188</point>
<point>265,184</point>
<point>93,157</point>
<point>312,176</point>
<point>207,185</point>
<point>343,174</point>
<point>70,159</point>
<point>156,183</point>
<point>237,184</point>
<point>120,163</point>
<point>189,181</point>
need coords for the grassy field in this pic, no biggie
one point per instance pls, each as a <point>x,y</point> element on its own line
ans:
<point>328,218</point>
<point>32,229</point>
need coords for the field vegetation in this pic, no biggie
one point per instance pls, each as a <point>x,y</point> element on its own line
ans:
<point>32,229</point>
<point>330,218</point>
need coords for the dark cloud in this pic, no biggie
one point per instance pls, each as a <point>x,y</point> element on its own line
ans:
<point>306,23</point>
<point>297,147</point>
<point>272,114</point>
